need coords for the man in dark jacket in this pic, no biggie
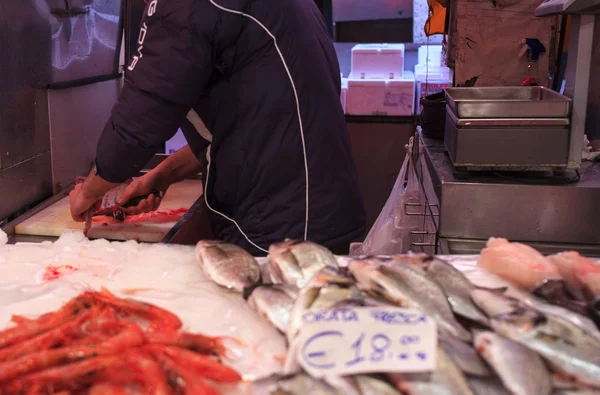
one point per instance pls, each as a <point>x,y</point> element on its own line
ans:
<point>259,81</point>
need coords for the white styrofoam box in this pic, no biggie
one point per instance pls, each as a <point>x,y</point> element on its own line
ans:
<point>384,61</point>
<point>381,97</point>
<point>176,143</point>
<point>428,88</point>
<point>432,55</point>
<point>344,93</point>
<point>427,72</point>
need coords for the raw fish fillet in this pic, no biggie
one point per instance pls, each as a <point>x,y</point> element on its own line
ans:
<point>517,263</point>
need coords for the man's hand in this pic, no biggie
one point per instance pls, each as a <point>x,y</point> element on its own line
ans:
<point>80,203</point>
<point>148,183</point>
<point>87,194</point>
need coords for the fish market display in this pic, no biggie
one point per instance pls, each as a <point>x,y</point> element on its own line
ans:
<point>98,343</point>
<point>296,262</point>
<point>228,265</point>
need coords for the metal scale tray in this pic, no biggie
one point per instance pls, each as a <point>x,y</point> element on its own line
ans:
<point>517,128</point>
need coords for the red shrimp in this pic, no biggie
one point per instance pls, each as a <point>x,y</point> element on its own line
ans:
<point>31,328</point>
<point>199,343</point>
<point>182,379</point>
<point>63,377</point>
<point>49,339</point>
<point>131,336</point>
<point>198,364</point>
<point>159,319</point>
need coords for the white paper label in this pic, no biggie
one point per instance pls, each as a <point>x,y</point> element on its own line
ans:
<point>366,340</point>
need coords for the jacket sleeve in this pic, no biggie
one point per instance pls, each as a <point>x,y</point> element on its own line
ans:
<point>165,78</point>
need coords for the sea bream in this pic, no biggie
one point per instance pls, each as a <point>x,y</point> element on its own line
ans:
<point>456,286</point>
<point>408,287</point>
<point>521,370</point>
<point>328,288</point>
<point>569,349</point>
<point>296,262</point>
<point>227,265</point>
<point>274,302</point>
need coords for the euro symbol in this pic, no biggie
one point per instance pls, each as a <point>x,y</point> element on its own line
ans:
<point>310,354</point>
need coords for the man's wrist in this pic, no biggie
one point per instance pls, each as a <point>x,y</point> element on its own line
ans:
<point>95,186</point>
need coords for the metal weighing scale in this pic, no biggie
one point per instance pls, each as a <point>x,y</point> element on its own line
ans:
<point>580,52</point>
<point>526,129</point>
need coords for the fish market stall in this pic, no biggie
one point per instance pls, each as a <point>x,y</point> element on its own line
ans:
<point>212,319</point>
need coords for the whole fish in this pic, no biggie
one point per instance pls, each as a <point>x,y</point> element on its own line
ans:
<point>564,314</point>
<point>464,356</point>
<point>296,262</point>
<point>447,379</point>
<point>227,265</point>
<point>274,302</point>
<point>568,351</point>
<point>407,287</point>
<point>327,288</point>
<point>496,305</point>
<point>521,370</point>
<point>488,386</point>
<point>457,287</point>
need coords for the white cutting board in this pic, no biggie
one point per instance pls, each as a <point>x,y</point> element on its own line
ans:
<point>150,228</point>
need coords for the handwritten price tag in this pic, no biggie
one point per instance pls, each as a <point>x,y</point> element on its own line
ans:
<point>366,340</point>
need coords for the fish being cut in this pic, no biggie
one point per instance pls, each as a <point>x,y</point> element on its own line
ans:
<point>521,370</point>
<point>274,302</point>
<point>406,287</point>
<point>296,262</point>
<point>227,265</point>
<point>517,263</point>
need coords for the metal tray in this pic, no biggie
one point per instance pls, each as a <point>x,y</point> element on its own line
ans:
<point>508,102</point>
<point>502,122</point>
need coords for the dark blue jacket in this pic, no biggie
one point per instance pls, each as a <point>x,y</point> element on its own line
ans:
<point>264,78</point>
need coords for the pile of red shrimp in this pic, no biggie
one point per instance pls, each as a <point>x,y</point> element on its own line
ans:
<point>98,343</point>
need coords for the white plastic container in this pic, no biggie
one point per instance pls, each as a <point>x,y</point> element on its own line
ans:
<point>381,97</point>
<point>428,88</point>
<point>381,61</point>
<point>344,93</point>
<point>431,55</point>
<point>438,73</point>
<point>176,143</point>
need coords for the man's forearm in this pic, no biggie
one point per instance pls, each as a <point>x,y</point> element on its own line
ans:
<point>178,166</point>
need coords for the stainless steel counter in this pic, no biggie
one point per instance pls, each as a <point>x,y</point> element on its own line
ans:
<point>538,211</point>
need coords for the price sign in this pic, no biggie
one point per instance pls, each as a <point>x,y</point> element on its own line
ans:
<point>366,340</point>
